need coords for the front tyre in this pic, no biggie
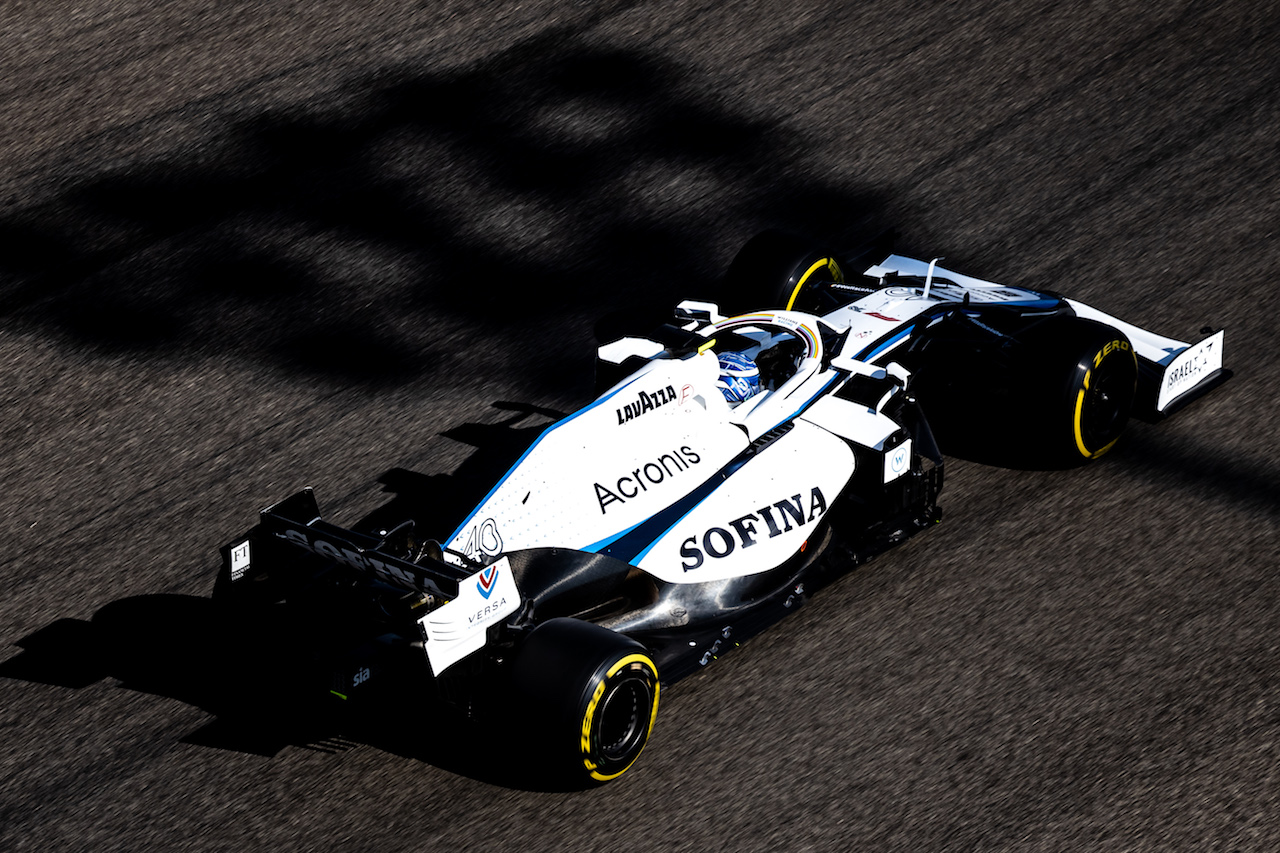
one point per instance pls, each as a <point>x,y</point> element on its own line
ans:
<point>1104,397</point>
<point>1058,396</point>
<point>1083,379</point>
<point>776,270</point>
<point>591,695</point>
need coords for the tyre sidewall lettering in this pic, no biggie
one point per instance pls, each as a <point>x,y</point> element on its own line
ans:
<point>1104,355</point>
<point>589,720</point>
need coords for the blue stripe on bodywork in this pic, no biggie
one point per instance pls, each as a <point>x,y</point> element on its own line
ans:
<point>633,544</point>
<point>636,541</point>
<point>640,539</point>
<point>536,442</point>
<point>1031,303</point>
<point>596,547</point>
<point>876,349</point>
<point>813,398</point>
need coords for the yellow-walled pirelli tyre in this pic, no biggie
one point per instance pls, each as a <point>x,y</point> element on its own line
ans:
<point>1081,380</point>
<point>590,696</point>
<point>774,270</point>
<point>1058,396</point>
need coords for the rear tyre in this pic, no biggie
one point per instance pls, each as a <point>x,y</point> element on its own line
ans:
<point>591,695</point>
<point>778,270</point>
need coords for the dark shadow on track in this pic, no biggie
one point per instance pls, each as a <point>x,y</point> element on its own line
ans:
<point>447,498</point>
<point>175,646</point>
<point>267,674</point>
<point>264,691</point>
<point>1248,485</point>
<point>343,239</point>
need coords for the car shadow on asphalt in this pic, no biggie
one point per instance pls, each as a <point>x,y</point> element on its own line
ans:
<point>262,691</point>
<point>446,499</point>
<point>257,674</point>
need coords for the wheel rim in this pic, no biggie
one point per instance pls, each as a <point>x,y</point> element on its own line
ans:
<point>624,719</point>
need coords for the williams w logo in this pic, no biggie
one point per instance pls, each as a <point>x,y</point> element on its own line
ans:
<point>487,579</point>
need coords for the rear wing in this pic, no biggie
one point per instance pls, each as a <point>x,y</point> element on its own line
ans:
<point>468,600</point>
<point>296,520</point>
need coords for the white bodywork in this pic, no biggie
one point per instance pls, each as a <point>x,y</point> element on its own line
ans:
<point>1185,365</point>
<point>458,628</point>
<point>651,458</point>
<point>761,517</point>
<point>662,439</point>
<point>659,436</point>
<point>600,472</point>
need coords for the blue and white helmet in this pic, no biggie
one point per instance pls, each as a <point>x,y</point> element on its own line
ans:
<point>739,377</point>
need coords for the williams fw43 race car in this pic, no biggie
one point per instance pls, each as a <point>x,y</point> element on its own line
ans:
<point>737,457</point>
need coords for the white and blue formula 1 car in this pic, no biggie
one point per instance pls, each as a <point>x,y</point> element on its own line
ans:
<point>695,501</point>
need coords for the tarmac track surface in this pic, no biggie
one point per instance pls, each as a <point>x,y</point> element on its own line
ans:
<point>249,247</point>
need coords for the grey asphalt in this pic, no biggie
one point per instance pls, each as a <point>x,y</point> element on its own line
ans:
<point>247,247</point>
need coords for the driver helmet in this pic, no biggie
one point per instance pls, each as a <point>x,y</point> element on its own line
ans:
<point>739,377</point>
